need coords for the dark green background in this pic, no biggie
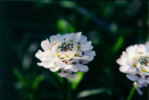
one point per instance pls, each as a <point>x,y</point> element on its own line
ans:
<point>111,25</point>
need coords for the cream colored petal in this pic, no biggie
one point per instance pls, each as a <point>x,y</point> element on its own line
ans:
<point>39,54</point>
<point>49,65</point>
<point>45,44</point>
<point>127,69</point>
<point>43,65</point>
<point>44,56</point>
<point>54,68</point>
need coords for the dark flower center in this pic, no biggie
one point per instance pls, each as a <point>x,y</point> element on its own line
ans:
<point>144,61</point>
<point>66,46</point>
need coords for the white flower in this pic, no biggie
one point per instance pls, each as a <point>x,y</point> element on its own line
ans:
<point>135,63</point>
<point>66,54</point>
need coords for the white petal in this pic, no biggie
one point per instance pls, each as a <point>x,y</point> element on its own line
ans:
<point>132,77</point>
<point>87,57</point>
<point>67,75</point>
<point>82,68</point>
<point>55,38</point>
<point>78,36</point>
<point>45,44</point>
<point>44,56</point>
<point>147,46</point>
<point>39,54</point>
<point>79,33</point>
<point>49,65</point>
<point>42,64</point>
<point>86,46</point>
<point>83,39</point>
<point>123,60</point>
<point>54,69</point>
<point>124,69</point>
<point>71,68</point>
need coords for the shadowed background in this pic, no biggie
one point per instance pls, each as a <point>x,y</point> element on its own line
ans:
<point>111,25</point>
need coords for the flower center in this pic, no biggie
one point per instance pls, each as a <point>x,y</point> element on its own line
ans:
<point>68,50</point>
<point>144,61</point>
<point>66,46</point>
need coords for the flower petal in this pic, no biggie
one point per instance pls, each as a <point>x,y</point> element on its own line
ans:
<point>45,45</point>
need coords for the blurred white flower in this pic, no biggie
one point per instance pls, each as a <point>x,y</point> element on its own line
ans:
<point>135,63</point>
<point>66,54</point>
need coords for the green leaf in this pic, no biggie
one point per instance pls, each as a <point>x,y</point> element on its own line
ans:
<point>37,81</point>
<point>75,82</point>
<point>64,26</point>
<point>21,79</point>
<point>119,43</point>
<point>68,4</point>
<point>91,92</point>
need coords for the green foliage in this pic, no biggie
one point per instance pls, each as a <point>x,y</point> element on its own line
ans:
<point>28,86</point>
<point>111,25</point>
<point>118,45</point>
<point>92,92</point>
<point>75,82</point>
<point>64,27</point>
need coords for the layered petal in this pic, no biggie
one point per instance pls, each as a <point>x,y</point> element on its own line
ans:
<point>66,54</point>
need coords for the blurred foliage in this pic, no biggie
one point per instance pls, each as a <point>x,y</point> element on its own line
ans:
<point>111,25</point>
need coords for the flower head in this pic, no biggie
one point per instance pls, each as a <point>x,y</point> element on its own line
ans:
<point>66,54</point>
<point>135,63</point>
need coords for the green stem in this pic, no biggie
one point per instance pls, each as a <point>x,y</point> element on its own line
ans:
<point>131,94</point>
<point>68,91</point>
<point>148,93</point>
